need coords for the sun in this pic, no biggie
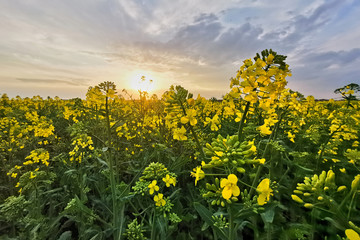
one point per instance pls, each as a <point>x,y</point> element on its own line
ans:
<point>142,81</point>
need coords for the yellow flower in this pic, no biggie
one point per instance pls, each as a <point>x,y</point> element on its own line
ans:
<point>355,183</point>
<point>153,187</point>
<point>32,175</point>
<point>169,180</point>
<point>159,201</point>
<point>190,117</point>
<point>265,191</point>
<point>264,130</point>
<point>229,186</point>
<point>198,174</point>
<point>179,134</point>
<point>351,234</point>
<point>291,137</point>
<point>262,160</point>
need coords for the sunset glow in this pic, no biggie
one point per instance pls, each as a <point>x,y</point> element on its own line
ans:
<point>142,81</point>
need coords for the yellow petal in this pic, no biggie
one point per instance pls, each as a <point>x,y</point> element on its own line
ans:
<point>184,120</point>
<point>224,182</point>
<point>352,235</point>
<point>226,193</point>
<point>232,178</point>
<point>261,199</point>
<point>235,191</point>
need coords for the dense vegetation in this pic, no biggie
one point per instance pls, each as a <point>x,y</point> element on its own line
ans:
<point>263,163</point>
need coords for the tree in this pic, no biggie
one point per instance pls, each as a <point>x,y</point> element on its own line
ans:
<point>348,92</point>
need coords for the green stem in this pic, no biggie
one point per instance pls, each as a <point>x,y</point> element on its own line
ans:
<point>258,172</point>
<point>242,121</point>
<point>351,205</point>
<point>153,233</point>
<point>231,224</point>
<point>193,132</point>
<point>112,176</point>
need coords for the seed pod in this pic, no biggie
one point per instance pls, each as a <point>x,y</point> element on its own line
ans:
<point>240,170</point>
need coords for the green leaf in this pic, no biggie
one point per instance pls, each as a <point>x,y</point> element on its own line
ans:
<point>268,215</point>
<point>204,213</point>
<point>65,235</point>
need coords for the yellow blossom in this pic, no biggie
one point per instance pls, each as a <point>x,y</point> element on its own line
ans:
<point>230,187</point>
<point>153,187</point>
<point>262,160</point>
<point>32,175</point>
<point>179,134</point>
<point>198,174</point>
<point>355,183</point>
<point>190,117</point>
<point>159,201</point>
<point>351,234</point>
<point>291,137</point>
<point>264,130</point>
<point>265,191</point>
<point>169,180</point>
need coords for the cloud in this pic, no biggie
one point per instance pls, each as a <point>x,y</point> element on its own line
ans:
<point>72,82</point>
<point>198,42</point>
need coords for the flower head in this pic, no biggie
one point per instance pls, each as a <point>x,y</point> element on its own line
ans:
<point>198,174</point>
<point>159,201</point>
<point>168,180</point>
<point>153,187</point>
<point>264,191</point>
<point>230,187</point>
<point>190,117</point>
<point>179,134</point>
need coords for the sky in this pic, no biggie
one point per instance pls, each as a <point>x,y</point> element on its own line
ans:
<point>61,47</point>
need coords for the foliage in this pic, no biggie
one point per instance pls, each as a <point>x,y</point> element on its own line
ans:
<point>262,163</point>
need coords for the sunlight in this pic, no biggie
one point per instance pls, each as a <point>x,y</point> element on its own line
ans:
<point>142,81</point>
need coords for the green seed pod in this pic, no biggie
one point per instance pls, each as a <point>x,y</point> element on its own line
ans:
<point>222,204</point>
<point>240,170</point>
<point>228,201</point>
<point>217,182</point>
<point>240,161</point>
<point>218,202</point>
<point>213,202</point>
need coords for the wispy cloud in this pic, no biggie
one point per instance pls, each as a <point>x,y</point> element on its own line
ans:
<point>72,82</point>
<point>57,42</point>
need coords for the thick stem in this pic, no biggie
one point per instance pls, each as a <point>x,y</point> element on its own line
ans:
<point>242,121</point>
<point>193,133</point>
<point>112,176</point>
<point>231,224</point>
